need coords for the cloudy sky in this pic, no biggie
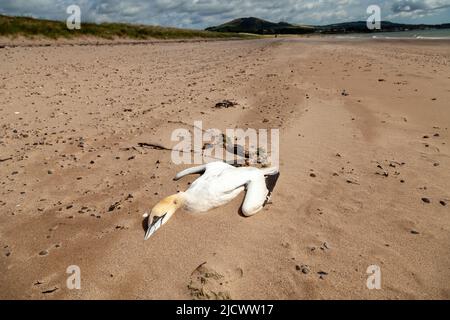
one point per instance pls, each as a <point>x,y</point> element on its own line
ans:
<point>204,13</point>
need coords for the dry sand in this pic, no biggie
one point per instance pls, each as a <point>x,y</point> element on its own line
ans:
<point>71,115</point>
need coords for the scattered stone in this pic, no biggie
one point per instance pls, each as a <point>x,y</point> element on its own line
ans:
<point>130,196</point>
<point>50,172</point>
<point>43,253</point>
<point>443,203</point>
<point>225,104</point>
<point>415,232</point>
<point>312,175</point>
<point>305,269</point>
<point>426,200</point>
<point>114,206</point>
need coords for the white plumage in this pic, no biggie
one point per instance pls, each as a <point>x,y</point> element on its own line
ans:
<point>219,184</point>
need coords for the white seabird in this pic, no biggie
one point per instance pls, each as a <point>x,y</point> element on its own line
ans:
<point>219,184</point>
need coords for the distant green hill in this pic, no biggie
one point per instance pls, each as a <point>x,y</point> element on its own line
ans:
<point>29,27</point>
<point>386,26</point>
<point>259,26</point>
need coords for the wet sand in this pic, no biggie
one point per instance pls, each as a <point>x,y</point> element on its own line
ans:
<point>365,162</point>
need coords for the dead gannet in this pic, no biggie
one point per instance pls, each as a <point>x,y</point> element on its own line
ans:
<point>219,184</point>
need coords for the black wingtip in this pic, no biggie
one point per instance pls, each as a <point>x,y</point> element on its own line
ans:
<point>271,182</point>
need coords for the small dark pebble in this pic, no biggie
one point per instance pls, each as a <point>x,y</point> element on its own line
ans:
<point>43,253</point>
<point>415,232</point>
<point>443,203</point>
<point>225,104</point>
<point>305,269</point>
<point>426,200</point>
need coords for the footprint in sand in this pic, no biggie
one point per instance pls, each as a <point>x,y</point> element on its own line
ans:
<point>206,283</point>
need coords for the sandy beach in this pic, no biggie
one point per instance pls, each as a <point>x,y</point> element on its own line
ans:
<point>364,162</point>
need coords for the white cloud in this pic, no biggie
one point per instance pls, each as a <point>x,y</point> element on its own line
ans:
<point>203,13</point>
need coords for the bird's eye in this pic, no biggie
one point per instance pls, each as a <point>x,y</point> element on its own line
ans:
<point>175,202</point>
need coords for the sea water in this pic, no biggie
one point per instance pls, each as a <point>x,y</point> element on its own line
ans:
<point>434,34</point>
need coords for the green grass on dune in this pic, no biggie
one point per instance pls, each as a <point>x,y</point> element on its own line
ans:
<point>30,27</point>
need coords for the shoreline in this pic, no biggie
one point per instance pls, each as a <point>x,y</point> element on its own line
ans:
<point>24,42</point>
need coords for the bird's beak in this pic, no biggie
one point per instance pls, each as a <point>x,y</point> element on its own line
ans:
<point>156,224</point>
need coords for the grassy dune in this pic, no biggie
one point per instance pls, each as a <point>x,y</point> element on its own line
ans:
<point>30,27</point>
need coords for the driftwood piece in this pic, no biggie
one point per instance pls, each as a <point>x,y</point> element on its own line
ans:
<point>154,146</point>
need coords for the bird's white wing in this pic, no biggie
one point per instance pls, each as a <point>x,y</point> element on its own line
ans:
<point>213,166</point>
<point>199,169</point>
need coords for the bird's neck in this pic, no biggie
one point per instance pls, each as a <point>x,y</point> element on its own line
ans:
<point>181,198</point>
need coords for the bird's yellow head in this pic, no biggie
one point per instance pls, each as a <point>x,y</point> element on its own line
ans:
<point>162,212</point>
